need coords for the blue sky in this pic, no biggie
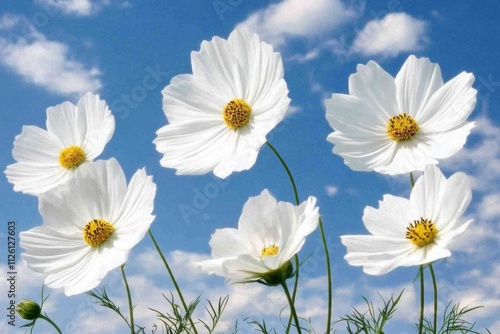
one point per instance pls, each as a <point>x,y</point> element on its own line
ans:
<point>56,50</point>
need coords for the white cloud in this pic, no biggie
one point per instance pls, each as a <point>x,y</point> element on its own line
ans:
<point>292,110</point>
<point>331,190</point>
<point>75,7</point>
<point>297,18</point>
<point>489,207</point>
<point>481,159</point>
<point>80,314</point>
<point>391,35</point>
<point>40,61</point>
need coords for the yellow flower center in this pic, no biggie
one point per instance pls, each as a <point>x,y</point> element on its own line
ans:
<point>270,251</point>
<point>71,157</point>
<point>401,127</point>
<point>421,232</point>
<point>236,113</point>
<point>97,231</point>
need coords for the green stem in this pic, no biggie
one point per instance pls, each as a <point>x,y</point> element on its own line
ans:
<point>292,307</point>
<point>129,297</point>
<point>422,300</point>
<point>412,181</point>
<point>325,246</point>
<point>421,274</point>
<point>296,257</point>
<point>296,194</point>
<point>173,280</point>
<point>41,316</point>
<point>434,284</point>
<point>329,274</point>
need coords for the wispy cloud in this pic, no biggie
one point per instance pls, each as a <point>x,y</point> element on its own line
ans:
<point>298,19</point>
<point>80,314</point>
<point>76,7</point>
<point>393,34</point>
<point>481,159</point>
<point>43,62</point>
<point>331,190</point>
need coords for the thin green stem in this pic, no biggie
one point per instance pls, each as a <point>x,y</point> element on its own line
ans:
<point>323,238</point>
<point>292,307</point>
<point>41,316</point>
<point>296,194</point>
<point>422,300</point>
<point>434,284</point>
<point>296,257</point>
<point>129,297</point>
<point>329,274</point>
<point>173,280</point>
<point>421,274</point>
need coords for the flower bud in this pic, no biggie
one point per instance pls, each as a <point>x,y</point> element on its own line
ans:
<point>28,309</point>
<point>278,276</point>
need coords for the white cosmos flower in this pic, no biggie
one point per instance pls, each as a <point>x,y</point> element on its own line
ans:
<point>90,225</point>
<point>219,116</point>
<point>75,135</point>
<point>398,125</point>
<point>269,234</point>
<point>415,231</point>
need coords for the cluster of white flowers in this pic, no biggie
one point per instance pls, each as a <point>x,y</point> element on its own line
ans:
<point>91,218</point>
<point>218,118</point>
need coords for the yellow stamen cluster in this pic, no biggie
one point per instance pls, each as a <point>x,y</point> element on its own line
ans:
<point>97,231</point>
<point>401,127</point>
<point>421,232</point>
<point>71,157</point>
<point>236,113</point>
<point>270,251</point>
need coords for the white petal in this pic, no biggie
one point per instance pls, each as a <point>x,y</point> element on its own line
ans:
<point>410,155</point>
<point>38,169</point>
<point>67,261</point>
<point>35,180</point>
<point>63,122</point>
<point>442,145</point>
<point>241,152</point>
<point>377,255</point>
<point>260,222</point>
<point>427,194</point>
<point>450,106</point>
<point>216,64</point>
<point>376,87</point>
<point>229,243</point>
<point>135,215</point>
<point>456,197</point>
<point>355,117</point>
<point>391,218</point>
<point>95,192</point>
<point>416,82</point>
<point>364,154</point>
<point>95,124</point>
<point>193,147</point>
<point>190,98</point>
<point>244,268</point>
<point>304,219</point>
<point>450,232</point>
<point>261,71</point>
<point>37,146</point>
